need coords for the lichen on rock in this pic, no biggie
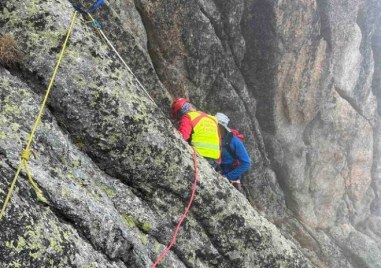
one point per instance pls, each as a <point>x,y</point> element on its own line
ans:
<point>298,78</point>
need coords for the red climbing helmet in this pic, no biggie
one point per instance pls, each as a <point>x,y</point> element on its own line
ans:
<point>177,104</point>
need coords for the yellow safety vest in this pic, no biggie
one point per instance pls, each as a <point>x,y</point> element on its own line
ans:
<point>205,138</point>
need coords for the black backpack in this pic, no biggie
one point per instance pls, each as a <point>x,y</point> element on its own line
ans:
<point>226,145</point>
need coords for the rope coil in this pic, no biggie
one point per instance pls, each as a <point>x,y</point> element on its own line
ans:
<point>25,155</point>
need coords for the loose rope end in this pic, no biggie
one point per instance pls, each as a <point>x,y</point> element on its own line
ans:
<point>25,155</point>
<point>41,198</point>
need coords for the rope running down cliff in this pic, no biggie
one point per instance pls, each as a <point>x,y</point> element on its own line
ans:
<point>25,155</point>
<point>96,24</point>
<point>182,218</point>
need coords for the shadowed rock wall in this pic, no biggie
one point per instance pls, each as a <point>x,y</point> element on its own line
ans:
<point>300,79</point>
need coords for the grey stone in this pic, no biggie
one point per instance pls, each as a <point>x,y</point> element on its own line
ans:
<point>301,81</point>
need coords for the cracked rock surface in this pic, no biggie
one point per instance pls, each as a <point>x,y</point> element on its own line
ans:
<point>300,79</point>
<point>115,172</point>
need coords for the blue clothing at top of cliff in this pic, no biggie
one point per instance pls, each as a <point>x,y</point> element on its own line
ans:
<point>93,8</point>
<point>229,170</point>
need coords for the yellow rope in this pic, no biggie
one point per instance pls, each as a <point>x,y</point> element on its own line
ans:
<point>25,155</point>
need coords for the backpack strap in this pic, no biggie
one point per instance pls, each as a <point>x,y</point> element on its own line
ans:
<point>201,116</point>
<point>226,145</point>
<point>197,119</point>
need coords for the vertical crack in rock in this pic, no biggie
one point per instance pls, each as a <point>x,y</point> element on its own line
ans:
<point>353,104</point>
<point>376,49</point>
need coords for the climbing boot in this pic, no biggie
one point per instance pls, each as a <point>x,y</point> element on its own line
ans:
<point>237,185</point>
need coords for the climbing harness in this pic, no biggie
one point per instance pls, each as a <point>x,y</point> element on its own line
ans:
<point>182,218</point>
<point>25,155</point>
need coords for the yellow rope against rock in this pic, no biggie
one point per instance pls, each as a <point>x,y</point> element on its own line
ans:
<point>25,155</point>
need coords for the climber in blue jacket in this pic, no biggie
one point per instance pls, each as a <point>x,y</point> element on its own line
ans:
<point>234,159</point>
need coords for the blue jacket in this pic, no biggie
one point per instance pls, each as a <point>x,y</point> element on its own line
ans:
<point>227,160</point>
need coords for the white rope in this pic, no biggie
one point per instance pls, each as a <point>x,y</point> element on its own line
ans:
<point>122,60</point>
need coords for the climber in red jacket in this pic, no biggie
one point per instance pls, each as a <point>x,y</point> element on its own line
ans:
<point>199,129</point>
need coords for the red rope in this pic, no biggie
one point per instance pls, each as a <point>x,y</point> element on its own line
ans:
<point>182,218</point>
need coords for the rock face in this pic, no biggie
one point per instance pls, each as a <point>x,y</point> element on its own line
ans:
<point>116,173</point>
<point>301,80</point>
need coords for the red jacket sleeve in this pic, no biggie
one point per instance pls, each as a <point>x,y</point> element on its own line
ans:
<point>185,127</point>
